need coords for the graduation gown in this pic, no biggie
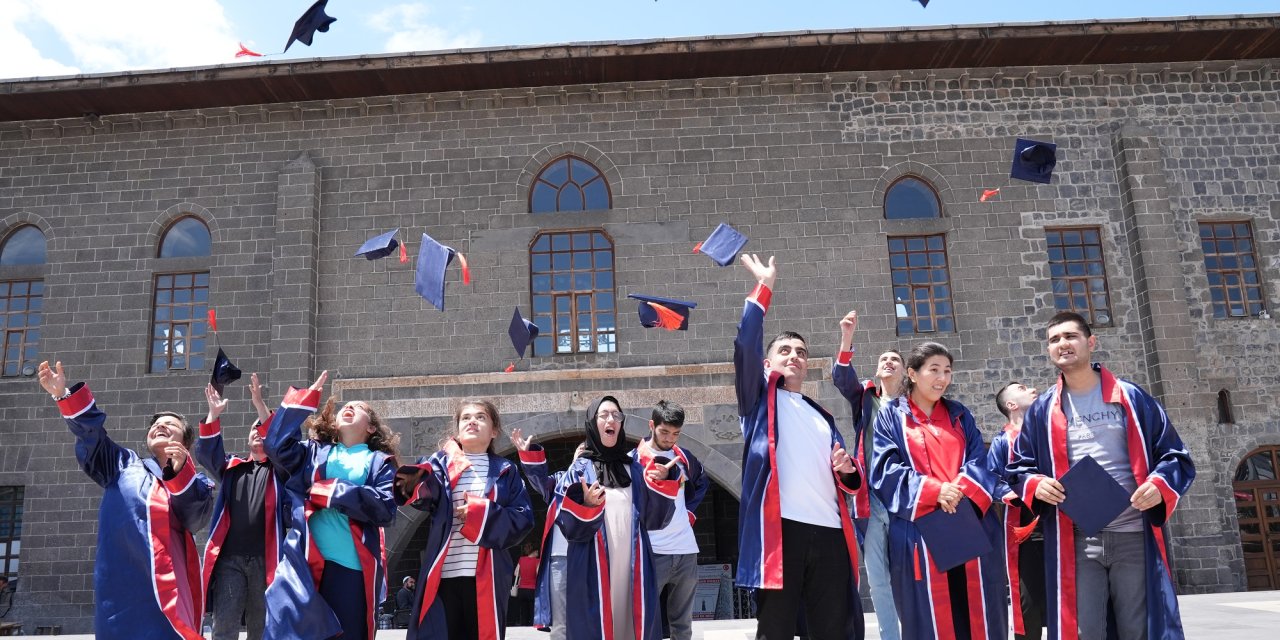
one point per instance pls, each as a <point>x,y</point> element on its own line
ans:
<point>496,521</point>
<point>900,479</point>
<point>212,455</point>
<point>760,508</point>
<point>862,402</point>
<point>1014,533</point>
<point>1156,454</point>
<point>146,577</point>
<point>300,464</point>
<point>652,507</point>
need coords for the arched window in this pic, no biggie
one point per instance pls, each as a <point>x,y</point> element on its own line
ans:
<point>569,183</point>
<point>181,298</point>
<point>21,300</point>
<point>25,246</point>
<point>571,284</point>
<point>911,197</point>
<point>186,238</point>
<point>1256,489</point>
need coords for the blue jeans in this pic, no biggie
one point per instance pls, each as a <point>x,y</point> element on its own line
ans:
<point>1111,569</point>
<point>238,589</point>
<point>875,551</point>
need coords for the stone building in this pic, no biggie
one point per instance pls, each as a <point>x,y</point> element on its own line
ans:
<point>573,175</point>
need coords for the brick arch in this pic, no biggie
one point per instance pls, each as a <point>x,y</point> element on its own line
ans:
<point>946,195</point>
<point>21,219</point>
<point>163,221</point>
<point>1219,474</point>
<point>591,154</point>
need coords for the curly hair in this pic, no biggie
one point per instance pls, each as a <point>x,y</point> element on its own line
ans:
<point>323,427</point>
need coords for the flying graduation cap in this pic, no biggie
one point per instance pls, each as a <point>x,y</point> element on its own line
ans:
<point>670,314</point>
<point>312,21</point>
<point>433,260</point>
<point>382,246</point>
<point>522,332</point>
<point>1033,161</point>
<point>923,3</point>
<point>722,245</point>
<point>224,373</point>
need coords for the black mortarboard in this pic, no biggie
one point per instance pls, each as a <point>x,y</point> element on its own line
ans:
<point>1094,498</point>
<point>667,313</point>
<point>379,246</point>
<point>1033,161</point>
<point>522,332</point>
<point>433,259</point>
<point>923,3</point>
<point>953,538</point>
<point>723,244</point>
<point>312,21</point>
<point>224,372</point>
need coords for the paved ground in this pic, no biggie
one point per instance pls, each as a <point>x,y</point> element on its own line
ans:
<point>1220,616</point>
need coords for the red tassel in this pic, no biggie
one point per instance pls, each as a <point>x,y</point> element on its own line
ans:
<point>988,194</point>
<point>244,51</point>
<point>697,247</point>
<point>667,319</point>
<point>511,367</point>
<point>466,271</point>
<point>213,321</point>
<point>404,257</point>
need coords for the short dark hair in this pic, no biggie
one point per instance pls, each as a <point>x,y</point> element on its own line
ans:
<point>893,351</point>
<point>785,335</point>
<point>1063,317</point>
<point>188,429</point>
<point>919,355</point>
<point>666,412</point>
<point>1000,399</point>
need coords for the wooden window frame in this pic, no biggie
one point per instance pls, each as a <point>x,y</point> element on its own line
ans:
<point>1091,311</point>
<point>25,336</point>
<point>194,357</point>
<point>931,299</point>
<point>548,322</point>
<point>11,497</point>
<point>570,181</point>
<point>1221,309</point>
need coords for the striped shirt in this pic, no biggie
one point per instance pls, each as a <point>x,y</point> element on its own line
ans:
<point>461,560</point>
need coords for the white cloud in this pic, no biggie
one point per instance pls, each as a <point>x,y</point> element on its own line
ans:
<point>19,57</point>
<point>410,30</point>
<point>116,36</point>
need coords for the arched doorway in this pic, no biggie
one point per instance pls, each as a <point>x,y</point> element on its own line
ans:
<point>1257,495</point>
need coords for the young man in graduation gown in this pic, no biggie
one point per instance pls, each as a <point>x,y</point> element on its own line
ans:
<point>796,541</point>
<point>866,398</point>
<point>146,577</point>
<point>1124,569</point>
<point>248,523</point>
<point>1023,539</point>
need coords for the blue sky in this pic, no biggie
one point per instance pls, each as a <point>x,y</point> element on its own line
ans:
<point>61,37</point>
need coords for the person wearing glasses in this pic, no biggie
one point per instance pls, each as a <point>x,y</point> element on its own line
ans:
<point>598,555</point>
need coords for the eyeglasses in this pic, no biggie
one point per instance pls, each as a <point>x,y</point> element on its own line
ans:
<point>605,415</point>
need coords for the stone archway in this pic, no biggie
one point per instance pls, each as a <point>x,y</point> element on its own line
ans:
<point>1256,490</point>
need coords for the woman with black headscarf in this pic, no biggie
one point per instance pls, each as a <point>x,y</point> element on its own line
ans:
<point>597,554</point>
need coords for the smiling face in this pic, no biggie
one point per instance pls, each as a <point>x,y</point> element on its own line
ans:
<point>354,424</point>
<point>931,380</point>
<point>790,357</point>
<point>608,422</point>
<point>475,428</point>
<point>164,430</point>
<point>1069,347</point>
<point>889,367</point>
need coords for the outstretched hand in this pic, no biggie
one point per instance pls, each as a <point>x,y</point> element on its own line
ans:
<point>217,403</point>
<point>53,380</point>
<point>764,274</point>
<point>848,324</point>
<point>255,394</point>
<point>521,443</point>
<point>318,385</point>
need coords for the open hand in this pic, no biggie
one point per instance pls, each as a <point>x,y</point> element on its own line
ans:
<point>217,403</point>
<point>764,274</point>
<point>53,380</point>
<point>519,441</point>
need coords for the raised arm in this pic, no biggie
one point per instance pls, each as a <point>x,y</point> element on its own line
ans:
<point>284,442</point>
<point>533,465</point>
<point>748,347</point>
<point>210,451</point>
<point>99,456</point>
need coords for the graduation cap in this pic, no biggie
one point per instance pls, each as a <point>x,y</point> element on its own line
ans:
<point>953,538</point>
<point>722,245</point>
<point>923,3</point>
<point>667,313</point>
<point>522,332</point>
<point>312,21</point>
<point>224,372</point>
<point>379,246</point>
<point>1094,498</point>
<point>1033,161</point>
<point>433,259</point>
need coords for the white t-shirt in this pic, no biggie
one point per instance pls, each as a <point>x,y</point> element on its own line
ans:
<point>804,463</point>
<point>461,559</point>
<point>677,537</point>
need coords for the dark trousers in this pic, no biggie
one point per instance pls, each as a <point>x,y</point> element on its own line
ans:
<point>458,595</point>
<point>343,590</point>
<point>1031,578</point>
<point>815,578</point>
<point>520,609</point>
<point>238,590</point>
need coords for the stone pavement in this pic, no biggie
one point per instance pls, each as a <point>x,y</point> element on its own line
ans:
<point>1218,616</point>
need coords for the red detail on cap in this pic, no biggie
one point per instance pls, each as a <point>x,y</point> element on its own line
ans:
<point>213,320</point>
<point>988,194</point>
<point>466,271</point>
<point>511,367</point>
<point>244,51</point>
<point>404,257</point>
<point>697,247</point>
<point>667,319</point>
